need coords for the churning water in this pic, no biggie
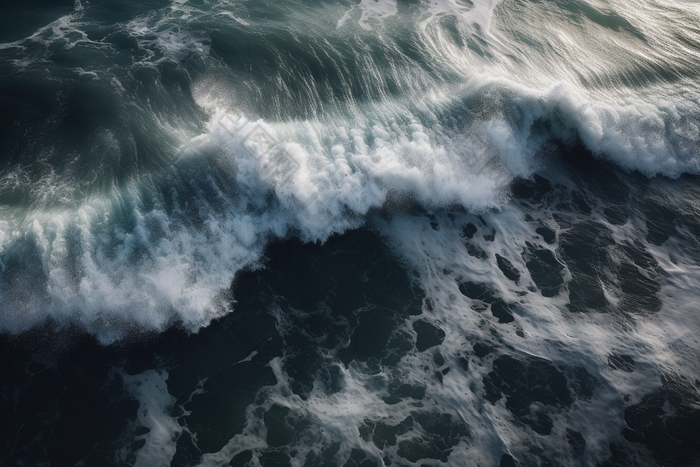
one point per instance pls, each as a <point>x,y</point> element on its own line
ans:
<point>350,233</point>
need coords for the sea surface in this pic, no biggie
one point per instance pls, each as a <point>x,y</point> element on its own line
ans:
<point>350,233</point>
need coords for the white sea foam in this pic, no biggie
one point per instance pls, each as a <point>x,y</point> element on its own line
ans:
<point>372,12</point>
<point>115,263</point>
<point>162,248</point>
<point>663,342</point>
<point>434,248</point>
<point>155,407</point>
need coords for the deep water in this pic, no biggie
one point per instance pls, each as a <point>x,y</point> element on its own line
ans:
<point>374,233</point>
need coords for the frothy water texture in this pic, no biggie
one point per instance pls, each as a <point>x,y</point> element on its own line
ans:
<point>350,233</point>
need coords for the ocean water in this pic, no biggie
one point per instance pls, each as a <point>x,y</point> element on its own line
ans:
<point>351,233</point>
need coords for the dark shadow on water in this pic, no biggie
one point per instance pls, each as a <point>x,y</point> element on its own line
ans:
<point>316,306</point>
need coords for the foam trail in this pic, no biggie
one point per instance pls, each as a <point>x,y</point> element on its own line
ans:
<point>539,329</point>
<point>155,404</point>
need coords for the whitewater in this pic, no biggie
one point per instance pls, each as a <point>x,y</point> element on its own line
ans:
<point>430,232</point>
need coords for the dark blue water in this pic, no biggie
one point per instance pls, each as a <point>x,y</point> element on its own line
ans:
<point>370,233</point>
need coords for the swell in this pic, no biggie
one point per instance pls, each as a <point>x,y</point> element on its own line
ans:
<point>134,190</point>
